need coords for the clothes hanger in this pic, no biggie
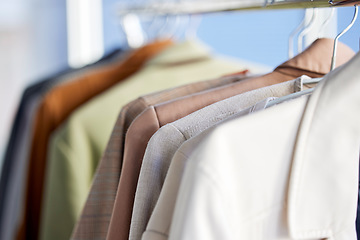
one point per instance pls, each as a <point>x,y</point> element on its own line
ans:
<point>307,29</point>
<point>333,60</point>
<point>324,24</point>
<point>194,23</point>
<point>169,24</point>
<point>159,23</point>
<point>293,34</point>
<point>134,34</point>
<point>327,20</point>
<point>316,80</point>
<point>187,29</point>
<point>132,26</point>
<point>311,26</point>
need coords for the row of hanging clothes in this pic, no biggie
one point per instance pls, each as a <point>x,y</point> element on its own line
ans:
<point>169,141</point>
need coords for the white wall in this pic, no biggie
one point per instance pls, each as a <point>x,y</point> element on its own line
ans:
<point>32,46</point>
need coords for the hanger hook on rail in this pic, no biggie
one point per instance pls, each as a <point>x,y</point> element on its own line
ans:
<point>333,59</point>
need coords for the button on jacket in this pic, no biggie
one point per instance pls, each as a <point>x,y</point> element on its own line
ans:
<point>164,143</point>
<point>288,172</point>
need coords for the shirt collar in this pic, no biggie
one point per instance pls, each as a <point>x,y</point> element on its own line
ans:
<point>322,196</point>
<point>179,53</point>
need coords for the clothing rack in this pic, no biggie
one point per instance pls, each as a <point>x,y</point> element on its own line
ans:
<point>203,7</point>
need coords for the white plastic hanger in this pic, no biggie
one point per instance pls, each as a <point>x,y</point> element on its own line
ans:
<point>194,23</point>
<point>307,29</point>
<point>132,28</point>
<point>327,20</point>
<point>293,34</point>
<point>316,80</point>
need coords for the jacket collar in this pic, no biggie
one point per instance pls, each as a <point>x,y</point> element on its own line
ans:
<point>315,61</point>
<point>322,197</point>
<point>180,53</point>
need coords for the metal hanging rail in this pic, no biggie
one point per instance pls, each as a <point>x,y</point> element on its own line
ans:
<point>212,6</point>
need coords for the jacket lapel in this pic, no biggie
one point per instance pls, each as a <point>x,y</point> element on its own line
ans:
<point>322,194</point>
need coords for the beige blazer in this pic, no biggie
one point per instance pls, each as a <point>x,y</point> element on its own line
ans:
<point>164,143</point>
<point>288,172</point>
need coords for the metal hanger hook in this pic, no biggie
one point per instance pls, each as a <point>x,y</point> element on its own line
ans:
<point>333,60</point>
